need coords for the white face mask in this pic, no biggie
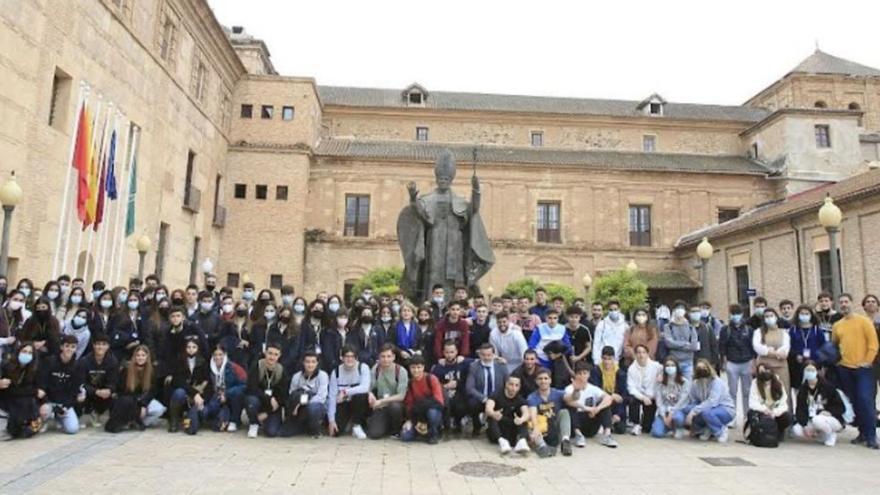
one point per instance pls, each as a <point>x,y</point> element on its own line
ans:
<point>15,305</point>
<point>334,306</point>
<point>270,315</point>
<point>106,304</point>
<point>678,312</point>
<point>52,295</point>
<point>207,306</point>
<point>287,299</point>
<point>641,319</point>
<point>227,308</point>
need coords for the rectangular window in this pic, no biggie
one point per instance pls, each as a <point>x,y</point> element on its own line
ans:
<point>421,133</point>
<point>537,138</point>
<point>161,249</point>
<point>233,279</point>
<point>415,98</point>
<point>187,184</point>
<point>639,225</point>
<point>741,273</point>
<point>649,143</point>
<point>262,191</point>
<point>755,151</point>
<point>61,83</point>
<point>240,191</point>
<point>287,113</point>
<point>194,262</point>
<point>267,112</point>
<point>247,111</point>
<point>656,108</point>
<point>823,136</point>
<point>548,222</point>
<point>727,214</point>
<point>199,79</point>
<point>824,264</point>
<point>275,281</point>
<point>281,193</point>
<point>357,215</point>
<point>347,289</point>
<point>167,37</point>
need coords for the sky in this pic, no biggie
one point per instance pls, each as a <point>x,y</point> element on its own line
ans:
<point>687,51</point>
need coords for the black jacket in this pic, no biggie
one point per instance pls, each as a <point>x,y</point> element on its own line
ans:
<point>479,336</point>
<point>829,397</point>
<point>59,380</point>
<point>141,395</point>
<point>367,346</point>
<point>258,384</point>
<point>209,323</point>
<point>96,376</point>
<point>174,344</point>
<point>124,331</point>
<point>195,381</point>
<point>735,343</point>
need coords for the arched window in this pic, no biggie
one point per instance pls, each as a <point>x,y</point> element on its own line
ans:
<point>820,104</point>
<point>854,106</point>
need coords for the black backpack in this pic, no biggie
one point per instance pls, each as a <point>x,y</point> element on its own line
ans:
<point>761,430</point>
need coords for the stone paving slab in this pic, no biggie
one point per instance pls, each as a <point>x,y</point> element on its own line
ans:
<point>154,461</point>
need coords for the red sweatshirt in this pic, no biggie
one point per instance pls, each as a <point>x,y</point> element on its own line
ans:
<point>421,389</point>
<point>460,331</point>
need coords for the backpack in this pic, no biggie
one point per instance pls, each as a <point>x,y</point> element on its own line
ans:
<point>761,430</point>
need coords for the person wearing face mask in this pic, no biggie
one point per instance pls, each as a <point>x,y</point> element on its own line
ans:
<point>99,373</point>
<point>681,340</point>
<point>211,288</point>
<point>736,351</point>
<point>12,318</point>
<point>260,329</point>
<point>79,328</point>
<point>286,332</point>
<point>405,334</point>
<point>366,337</point>
<point>237,335</point>
<point>641,383</point>
<point>610,332</point>
<point>189,384</point>
<point>820,409</point>
<point>4,288</point>
<point>712,323</point>
<point>858,343</point>
<point>426,327</point>
<point>207,319</point>
<point>18,384</point>
<point>769,398</point>
<point>672,396</point>
<point>43,330</point>
<point>288,295</point>
<point>709,407</point>
<point>708,349</point>
<point>98,288</point>
<point>103,312</point>
<point>248,294</point>
<point>26,288</point>
<point>772,344</point>
<point>642,332</point>
<point>129,329</point>
<point>60,387</point>
<point>806,339</point>
<point>386,319</point>
<point>263,299</point>
<point>52,293</point>
<point>312,333</point>
<point>438,302</point>
<point>757,318</point>
<point>76,300</point>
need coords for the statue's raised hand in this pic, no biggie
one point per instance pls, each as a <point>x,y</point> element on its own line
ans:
<point>413,190</point>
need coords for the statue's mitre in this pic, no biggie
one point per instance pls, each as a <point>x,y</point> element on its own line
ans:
<point>445,163</point>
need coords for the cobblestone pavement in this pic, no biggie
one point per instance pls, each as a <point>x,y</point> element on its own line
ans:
<point>158,462</point>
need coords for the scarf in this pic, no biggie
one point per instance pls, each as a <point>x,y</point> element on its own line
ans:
<point>609,379</point>
<point>219,373</point>
<point>275,374</point>
<point>405,334</point>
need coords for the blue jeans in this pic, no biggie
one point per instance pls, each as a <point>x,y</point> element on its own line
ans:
<point>687,369</point>
<point>228,412</point>
<point>715,418</point>
<point>858,385</point>
<point>68,420</point>
<point>272,424</point>
<point>435,418</point>
<point>658,427</point>
<point>180,398</point>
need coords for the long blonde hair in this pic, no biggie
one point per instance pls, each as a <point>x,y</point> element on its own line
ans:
<point>139,379</point>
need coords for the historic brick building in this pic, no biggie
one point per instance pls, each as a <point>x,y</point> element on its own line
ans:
<point>280,180</point>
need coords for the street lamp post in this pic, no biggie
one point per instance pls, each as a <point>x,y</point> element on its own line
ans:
<point>704,252</point>
<point>10,196</point>
<point>831,217</point>
<point>587,282</point>
<point>143,245</point>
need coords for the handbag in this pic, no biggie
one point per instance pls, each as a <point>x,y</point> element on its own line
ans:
<point>829,354</point>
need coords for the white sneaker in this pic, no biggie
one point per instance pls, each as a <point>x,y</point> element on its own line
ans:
<point>722,437</point>
<point>253,430</point>
<point>679,433</point>
<point>580,440</point>
<point>797,430</point>
<point>96,420</point>
<point>636,430</point>
<point>231,428</point>
<point>522,447</point>
<point>705,435</point>
<point>831,439</point>
<point>504,446</point>
<point>358,432</point>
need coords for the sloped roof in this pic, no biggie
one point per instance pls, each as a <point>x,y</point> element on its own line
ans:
<point>667,280</point>
<point>823,63</point>
<point>806,202</point>
<point>594,159</point>
<point>443,100</point>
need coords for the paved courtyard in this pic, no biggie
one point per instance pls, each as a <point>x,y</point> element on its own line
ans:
<point>157,462</point>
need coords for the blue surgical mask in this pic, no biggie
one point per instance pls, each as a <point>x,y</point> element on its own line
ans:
<point>270,315</point>
<point>299,308</point>
<point>614,315</point>
<point>671,370</point>
<point>105,304</point>
<point>123,296</point>
<point>133,305</point>
<point>695,316</point>
<point>24,358</point>
<point>52,295</point>
<point>207,306</point>
<point>76,299</point>
<point>78,322</point>
<point>287,299</point>
<point>96,294</point>
<point>770,321</point>
<point>805,318</point>
<point>736,318</point>
<point>810,375</point>
<point>25,291</point>
<point>247,295</point>
<point>759,311</point>
<point>704,313</point>
<point>438,300</point>
<point>334,307</point>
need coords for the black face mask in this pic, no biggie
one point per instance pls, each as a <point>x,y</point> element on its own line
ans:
<point>177,302</point>
<point>285,319</point>
<point>765,375</point>
<point>164,311</point>
<point>423,320</point>
<point>241,312</point>
<point>701,373</point>
<point>317,314</point>
<point>42,314</point>
<point>367,319</point>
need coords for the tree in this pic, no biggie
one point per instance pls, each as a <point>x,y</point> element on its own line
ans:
<point>622,285</point>
<point>384,281</point>
<point>527,286</point>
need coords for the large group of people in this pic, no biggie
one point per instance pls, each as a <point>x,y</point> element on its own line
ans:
<point>538,375</point>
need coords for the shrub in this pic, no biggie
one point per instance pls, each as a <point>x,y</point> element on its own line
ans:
<point>384,281</point>
<point>622,285</point>
<point>527,286</point>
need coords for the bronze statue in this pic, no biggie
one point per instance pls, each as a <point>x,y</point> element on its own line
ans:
<point>442,237</point>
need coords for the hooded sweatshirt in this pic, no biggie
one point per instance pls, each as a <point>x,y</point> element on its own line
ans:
<point>545,334</point>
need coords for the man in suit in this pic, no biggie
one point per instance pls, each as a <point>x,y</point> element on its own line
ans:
<point>485,377</point>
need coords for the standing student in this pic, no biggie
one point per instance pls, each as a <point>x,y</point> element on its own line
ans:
<point>550,419</point>
<point>548,332</point>
<point>266,392</point>
<point>681,339</point>
<point>348,395</point>
<point>508,416</point>
<point>103,312</point>
<point>737,353</point>
<point>78,327</point>
<point>18,382</point>
<point>708,348</point>
<point>508,341</point>
<point>642,332</point>
<point>769,397</point>
<point>406,335</point>
<point>709,407</point>
<point>484,377</point>
<point>806,339</point>
<point>610,331</point>
<point>60,387</point>
<point>189,384</point>
<point>42,329</point>
<point>772,344</point>
<point>591,408</point>
<point>579,334</point>
<point>641,382</point>
<point>12,318</point>
<point>307,398</point>
<point>366,336</point>
<point>480,329</point>
<point>857,338</point>
<point>819,412</point>
<point>129,329</point>
<point>454,327</point>
<point>426,327</point>
<point>672,396</point>
<point>99,374</point>
<point>237,335</point>
<point>389,384</point>
<point>135,403</point>
<point>452,372</point>
<point>423,403</point>
<point>226,389</point>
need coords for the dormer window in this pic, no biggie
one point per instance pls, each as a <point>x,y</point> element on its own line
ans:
<point>652,105</point>
<point>656,109</point>
<point>415,98</point>
<point>415,95</point>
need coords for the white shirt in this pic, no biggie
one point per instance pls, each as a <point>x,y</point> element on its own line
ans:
<point>641,381</point>
<point>609,333</point>
<point>589,397</point>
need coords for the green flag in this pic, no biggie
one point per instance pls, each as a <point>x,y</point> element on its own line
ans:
<point>132,189</point>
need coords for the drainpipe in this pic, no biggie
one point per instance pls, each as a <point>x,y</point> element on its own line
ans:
<point>797,244</point>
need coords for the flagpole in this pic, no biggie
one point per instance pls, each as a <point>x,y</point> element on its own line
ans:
<point>124,144</point>
<point>62,216</point>
<point>105,218</point>
<point>132,157</point>
<point>101,156</point>
<point>80,233</point>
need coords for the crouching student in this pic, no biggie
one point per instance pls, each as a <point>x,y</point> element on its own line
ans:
<point>709,407</point>
<point>452,372</point>
<point>389,384</point>
<point>641,383</point>
<point>671,396</point>
<point>550,420</point>
<point>820,409</point>
<point>592,408</point>
<point>424,404</point>
<point>307,399</point>
<point>18,386</point>
<point>508,416</point>
<point>60,387</point>
<point>226,388</point>
<point>768,397</point>
<point>266,391</point>
<point>347,398</point>
<point>134,404</point>
<point>189,383</point>
<point>608,376</point>
<point>99,373</point>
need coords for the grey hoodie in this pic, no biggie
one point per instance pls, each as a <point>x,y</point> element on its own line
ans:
<point>681,340</point>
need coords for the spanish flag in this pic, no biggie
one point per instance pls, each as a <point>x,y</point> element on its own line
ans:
<point>93,178</point>
<point>82,157</point>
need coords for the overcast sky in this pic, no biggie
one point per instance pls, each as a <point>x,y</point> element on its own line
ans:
<point>703,52</point>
